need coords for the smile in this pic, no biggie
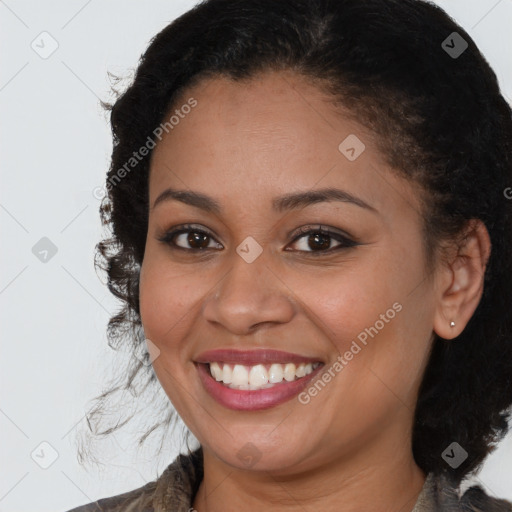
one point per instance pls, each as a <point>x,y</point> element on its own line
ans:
<point>256,379</point>
<point>238,376</point>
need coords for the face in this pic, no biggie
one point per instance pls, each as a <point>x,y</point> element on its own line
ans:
<point>350,306</point>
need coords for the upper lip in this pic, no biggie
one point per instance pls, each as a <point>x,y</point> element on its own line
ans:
<point>253,357</point>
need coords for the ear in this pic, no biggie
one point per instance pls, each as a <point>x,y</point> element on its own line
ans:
<point>460,282</point>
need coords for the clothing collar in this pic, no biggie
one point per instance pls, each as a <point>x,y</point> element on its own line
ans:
<point>178,485</point>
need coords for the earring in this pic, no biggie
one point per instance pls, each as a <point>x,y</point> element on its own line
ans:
<point>452,324</point>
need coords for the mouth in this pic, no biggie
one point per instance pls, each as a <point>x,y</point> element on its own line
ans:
<point>238,376</point>
<point>257,379</point>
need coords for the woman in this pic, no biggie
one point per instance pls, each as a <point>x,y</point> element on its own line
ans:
<point>312,236</point>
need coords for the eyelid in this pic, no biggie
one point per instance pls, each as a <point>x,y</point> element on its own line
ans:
<point>320,228</point>
<point>171,233</point>
<point>345,240</point>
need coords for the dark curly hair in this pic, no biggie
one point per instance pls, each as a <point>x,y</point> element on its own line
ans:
<point>441,123</point>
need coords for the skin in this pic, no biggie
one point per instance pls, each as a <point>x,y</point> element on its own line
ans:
<point>349,448</point>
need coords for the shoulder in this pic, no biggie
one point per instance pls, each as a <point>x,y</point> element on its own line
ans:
<point>173,490</point>
<point>441,493</point>
<point>475,499</point>
<point>137,500</point>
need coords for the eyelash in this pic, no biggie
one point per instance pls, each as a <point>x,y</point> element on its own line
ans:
<point>346,242</point>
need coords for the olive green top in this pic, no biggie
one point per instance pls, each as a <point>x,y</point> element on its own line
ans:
<point>175,489</point>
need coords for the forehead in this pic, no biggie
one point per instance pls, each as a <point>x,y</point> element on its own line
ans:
<point>266,136</point>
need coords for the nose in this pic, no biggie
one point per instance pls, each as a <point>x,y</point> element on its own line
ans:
<point>248,296</point>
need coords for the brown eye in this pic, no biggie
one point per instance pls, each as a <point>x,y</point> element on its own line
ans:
<point>197,240</point>
<point>189,238</point>
<point>318,241</point>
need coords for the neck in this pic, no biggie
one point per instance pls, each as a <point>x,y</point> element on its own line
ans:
<point>384,475</point>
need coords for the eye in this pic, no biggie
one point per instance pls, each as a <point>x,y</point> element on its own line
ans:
<point>319,240</point>
<point>192,239</point>
<point>197,239</point>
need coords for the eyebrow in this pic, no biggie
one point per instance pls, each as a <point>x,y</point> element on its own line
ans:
<point>282,203</point>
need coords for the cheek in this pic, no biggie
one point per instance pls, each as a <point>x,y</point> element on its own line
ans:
<point>368,316</point>
<point>167,301</point>
<point>342,303</point>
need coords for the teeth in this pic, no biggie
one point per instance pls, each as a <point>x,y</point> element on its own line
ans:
<point>258,376</point>
<point>300,371</point>
<point>216,371</point>
<point>239,376</point>
<point>289,372</point>
<point>227,374</point>
<point>275,373</point>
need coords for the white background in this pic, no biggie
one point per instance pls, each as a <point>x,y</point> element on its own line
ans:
<point>55,149</point>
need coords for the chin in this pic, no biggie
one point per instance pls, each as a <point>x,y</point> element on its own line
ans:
<point>260,452</point>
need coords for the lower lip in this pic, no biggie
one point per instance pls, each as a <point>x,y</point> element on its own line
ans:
<point>256,399</point>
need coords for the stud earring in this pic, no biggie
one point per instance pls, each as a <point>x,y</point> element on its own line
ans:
<point>452,324</point>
